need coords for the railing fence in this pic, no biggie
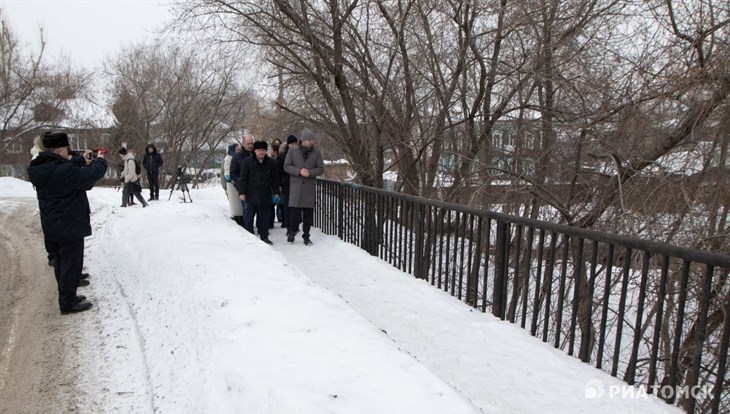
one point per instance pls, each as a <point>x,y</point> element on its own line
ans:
<point>651,313</point>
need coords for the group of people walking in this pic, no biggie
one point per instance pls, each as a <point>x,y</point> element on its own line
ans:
<point>255,179</point>
<point>258,180</point>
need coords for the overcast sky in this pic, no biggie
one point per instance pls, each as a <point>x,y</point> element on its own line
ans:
<point>86,31</point>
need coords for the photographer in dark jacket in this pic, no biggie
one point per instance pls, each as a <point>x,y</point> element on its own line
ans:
<point>61,186</point>
<point>152,162</point>
<point>257,184</point>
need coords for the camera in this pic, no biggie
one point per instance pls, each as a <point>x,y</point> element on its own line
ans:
<point>92,155</point>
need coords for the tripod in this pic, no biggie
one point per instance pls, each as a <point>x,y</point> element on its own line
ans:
<point>182,185</point>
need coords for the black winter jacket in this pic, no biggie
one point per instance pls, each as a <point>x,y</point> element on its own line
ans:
<point>61,188</point>
<point>236,164</point>
<point>152,161</point>
<point>259,181</point>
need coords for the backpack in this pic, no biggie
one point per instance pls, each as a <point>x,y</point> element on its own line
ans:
<point>137,167</point>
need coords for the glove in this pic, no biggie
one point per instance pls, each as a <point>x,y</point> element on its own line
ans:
<point>275,199</point>
<point>228,178</point>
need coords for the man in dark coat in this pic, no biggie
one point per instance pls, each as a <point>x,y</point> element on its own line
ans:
<point>258,183</point>
<point>61,186</point>
<point>303,165</point>
<point>152,162</point>
<point>237,164</point>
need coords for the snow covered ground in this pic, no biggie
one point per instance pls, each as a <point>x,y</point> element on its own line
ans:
<point>194,315</point>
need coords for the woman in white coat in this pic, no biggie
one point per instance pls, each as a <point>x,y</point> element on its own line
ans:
<point>228,186</point>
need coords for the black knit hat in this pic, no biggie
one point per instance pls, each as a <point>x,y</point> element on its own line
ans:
<point>291,139</point>
<point>122,151</point>
<point>260,145</point>
<point>55,139</point>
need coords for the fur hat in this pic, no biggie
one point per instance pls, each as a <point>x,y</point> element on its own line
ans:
<point>260,145</point>
<point>291,139</point>
<point>122,151</point>
<point>55,139</point>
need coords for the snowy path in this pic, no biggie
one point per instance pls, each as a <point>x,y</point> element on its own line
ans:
<point>198,316</point>
<point>496,365</point>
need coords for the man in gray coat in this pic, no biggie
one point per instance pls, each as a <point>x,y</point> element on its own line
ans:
<point>303,164</point>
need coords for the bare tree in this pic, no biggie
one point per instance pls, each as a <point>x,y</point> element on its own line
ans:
<point>34,93</point>
<point>190,103</point>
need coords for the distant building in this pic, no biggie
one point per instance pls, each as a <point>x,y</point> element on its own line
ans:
<point>88,126</point>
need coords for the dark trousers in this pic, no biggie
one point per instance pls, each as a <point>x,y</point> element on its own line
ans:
<point>284,206</point>
<point>263,219</point>
<point>128,192</point>
<point>245,207</point>
<point>276,214</point>
<point>153,179</point>
<point>297,214</point>
<point>69,260</point>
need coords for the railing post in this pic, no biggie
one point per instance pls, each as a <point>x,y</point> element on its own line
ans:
<point>693,376</point>
<point>418,254</point>
<point>340,211</point>
<point>500,269</point>
<point>679,326</point>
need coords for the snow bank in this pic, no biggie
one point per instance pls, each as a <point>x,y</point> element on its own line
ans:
<point>226,325</point>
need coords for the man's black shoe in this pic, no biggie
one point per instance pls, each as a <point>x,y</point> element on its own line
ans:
<point>79,307</point>
<point>80,298</point>
<point>290,238</point>
<point>84,276</point>
<point>84,282</point>
<point>307,242</point>
<point>266,240</point>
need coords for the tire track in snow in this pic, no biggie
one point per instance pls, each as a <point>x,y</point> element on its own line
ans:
<point>116,290</point>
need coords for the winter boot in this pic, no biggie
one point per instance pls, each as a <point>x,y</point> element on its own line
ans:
<point>76,308</point>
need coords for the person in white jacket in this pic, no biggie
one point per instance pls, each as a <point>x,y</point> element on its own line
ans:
<point>37,147</point>
<point>228,186</point>
<point>131,179</point>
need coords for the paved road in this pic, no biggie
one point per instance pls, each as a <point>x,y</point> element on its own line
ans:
<point>36,344</point>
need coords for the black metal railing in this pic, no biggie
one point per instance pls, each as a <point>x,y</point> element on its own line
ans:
<point>654,314</point>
